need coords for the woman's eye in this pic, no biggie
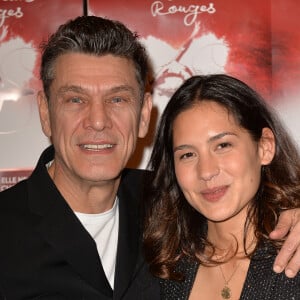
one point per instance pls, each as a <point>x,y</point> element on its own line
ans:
<point>224,145</point>
<point>186,155</point>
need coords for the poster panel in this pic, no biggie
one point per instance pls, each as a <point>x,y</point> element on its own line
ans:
<point>189,37</point>
<point>10,177</point>
<point>23,25</point>
<point>286,63</point>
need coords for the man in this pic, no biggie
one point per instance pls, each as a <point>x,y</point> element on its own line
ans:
<point>72,230</point>
<point>93,109</point>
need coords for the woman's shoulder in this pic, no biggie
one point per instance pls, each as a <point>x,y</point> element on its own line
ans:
<point>180,289</point>
<point>263,283</point>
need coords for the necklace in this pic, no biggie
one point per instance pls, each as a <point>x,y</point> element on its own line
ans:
<point>226,291</point>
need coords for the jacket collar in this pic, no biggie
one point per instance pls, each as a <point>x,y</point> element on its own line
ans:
<point>61,229</point>
<point>59,226</point>
<point>129,258</point>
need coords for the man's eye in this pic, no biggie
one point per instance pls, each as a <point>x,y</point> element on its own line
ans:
<point>76,100</point>
<point>116,100</point>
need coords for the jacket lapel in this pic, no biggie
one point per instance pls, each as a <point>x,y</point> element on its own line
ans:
<point>62,230</point>
<point>129,240</point>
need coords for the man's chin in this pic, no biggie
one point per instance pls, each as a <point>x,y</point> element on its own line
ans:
<point>109,175</point>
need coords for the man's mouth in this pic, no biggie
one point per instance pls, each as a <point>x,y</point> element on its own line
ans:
<point>96,147</point>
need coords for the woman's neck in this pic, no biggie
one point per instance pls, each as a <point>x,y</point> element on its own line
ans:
<point>228,237</point>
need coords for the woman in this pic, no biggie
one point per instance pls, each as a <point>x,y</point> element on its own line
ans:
<point>224,168</point>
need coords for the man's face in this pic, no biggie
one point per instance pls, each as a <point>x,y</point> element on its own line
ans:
<point>94,117</point>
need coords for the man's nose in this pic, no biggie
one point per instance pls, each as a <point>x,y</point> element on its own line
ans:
<point>98,116</point>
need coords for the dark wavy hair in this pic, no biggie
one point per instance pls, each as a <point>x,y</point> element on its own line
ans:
<point>96,36</point>
<point>173,228</point>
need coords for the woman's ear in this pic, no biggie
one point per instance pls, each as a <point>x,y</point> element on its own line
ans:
<point>267,146</point>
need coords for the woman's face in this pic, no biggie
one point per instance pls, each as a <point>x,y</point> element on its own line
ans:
<point>217,163</point>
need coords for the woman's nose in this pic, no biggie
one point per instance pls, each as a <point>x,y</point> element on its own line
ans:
<point>208,168</point>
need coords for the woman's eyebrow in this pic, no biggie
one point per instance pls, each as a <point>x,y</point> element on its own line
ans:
<point>220,135</point>
<point>210,140</point>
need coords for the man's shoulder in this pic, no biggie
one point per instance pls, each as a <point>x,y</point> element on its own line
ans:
<point>13,208</point>
<point>13,192</point>
<point>136,171</point>
<point>135,174</point>
<point>132,184</point>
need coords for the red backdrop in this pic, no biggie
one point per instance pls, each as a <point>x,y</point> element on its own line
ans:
<point>257,41</point>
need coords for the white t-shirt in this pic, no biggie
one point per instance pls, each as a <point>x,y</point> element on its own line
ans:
<point>104,228</point>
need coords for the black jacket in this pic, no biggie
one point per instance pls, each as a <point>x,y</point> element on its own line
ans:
<point>46,253</point>
<point>261,282</point>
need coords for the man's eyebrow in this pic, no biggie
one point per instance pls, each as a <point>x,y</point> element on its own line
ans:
<point>70,88</point>
<point>122,88</point>
<point>78,89</point>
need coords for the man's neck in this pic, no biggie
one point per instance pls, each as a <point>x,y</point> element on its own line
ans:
<point>86,197</point>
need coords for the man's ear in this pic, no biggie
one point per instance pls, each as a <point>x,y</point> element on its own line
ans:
<point>44,113</point>
<point>145,115</point>
<point>267,146</point>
